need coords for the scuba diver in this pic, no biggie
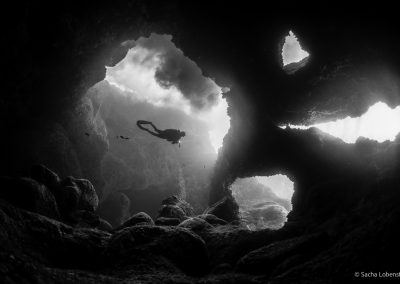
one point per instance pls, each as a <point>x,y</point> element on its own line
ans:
<point>171,135</point>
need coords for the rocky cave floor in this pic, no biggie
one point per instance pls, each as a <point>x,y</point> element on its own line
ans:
<point>50,233</point>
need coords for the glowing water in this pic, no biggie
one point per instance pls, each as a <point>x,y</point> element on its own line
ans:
<point>380,123</point>
<point>281,185</point>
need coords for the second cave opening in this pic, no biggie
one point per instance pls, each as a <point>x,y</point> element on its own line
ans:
<point>264,201</point>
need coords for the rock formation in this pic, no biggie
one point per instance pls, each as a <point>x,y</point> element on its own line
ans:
<point>346,195</point>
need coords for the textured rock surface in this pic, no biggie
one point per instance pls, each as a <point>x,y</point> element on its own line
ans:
<point>54,252</point>
<point>174,207</point>
<point>212,219</point>
<point>37,240</point>
<point>153,248</point>
<point>45,176</point>
<point>76,194</point>
<point>56,51</point>
<point>28,194</point>
<point>227,244</point>
<point>171,211</point>
<point>195,224</point>
<point>163,221</point>
<point>138,218</point>
<point>265,259</point>
<point>226,209</point>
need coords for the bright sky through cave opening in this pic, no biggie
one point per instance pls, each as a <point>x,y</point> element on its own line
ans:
<point>292,51</point>
<point>380,123</point>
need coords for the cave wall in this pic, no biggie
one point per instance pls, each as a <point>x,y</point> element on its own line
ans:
<point>56,51</point>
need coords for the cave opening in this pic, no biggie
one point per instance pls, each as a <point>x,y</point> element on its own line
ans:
<point>293,56</point>
<point>380,123</point>
<point>264,201</point>
<point>156,82</point>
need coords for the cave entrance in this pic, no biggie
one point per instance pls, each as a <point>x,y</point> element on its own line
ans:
<point>293,56</point>
<point>155,81</point>
<point>264,201</point>
<point>380,123</point>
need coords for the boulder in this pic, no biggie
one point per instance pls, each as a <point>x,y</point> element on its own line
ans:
<point>226,209</point>
<point>138,218</point>
<point>185,206</point>
<point>195,224</point>
<point>84,219</point>
<point>76,194</point>
<point>45,176</point>
<point>172,211</point>
<point>104,226</point>
<point>87,219</point>
<point>163,221</point>
<point>89,199</point>
<point>35,239</point>
<point>30,195</point>
<point>115,208</point>
<point>152,248</point>
<point>67,199</point>
<point>212,219</point>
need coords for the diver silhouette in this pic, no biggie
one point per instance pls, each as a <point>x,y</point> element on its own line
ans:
<point>171,135</point>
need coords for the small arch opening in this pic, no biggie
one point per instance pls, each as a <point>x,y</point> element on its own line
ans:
<point>293,56</point>
<point>264,201</point>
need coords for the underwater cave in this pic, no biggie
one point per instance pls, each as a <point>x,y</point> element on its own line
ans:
<point>199,142</point>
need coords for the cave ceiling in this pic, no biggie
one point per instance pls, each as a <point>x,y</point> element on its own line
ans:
<point>352,63</point>
<point>59,50</point>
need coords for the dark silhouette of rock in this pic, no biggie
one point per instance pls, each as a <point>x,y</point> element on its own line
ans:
<point>76,194</point>
<point>222,268</point>
<point>87,219</point>
<point>84,219</point>
<point>138,218</point>
<point>45,176</point>
<point>68,199</point>
<point>163,221</point>
<point>104,226</point>
<point>264,260</point>
<point>227,244</point>
<point>88,199</point>
<point>30,195</point>
<point>226,209</point>
<point>146,248</point>
<point>36,240</point>
<point>212,219</point>
<point>115,208</point>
